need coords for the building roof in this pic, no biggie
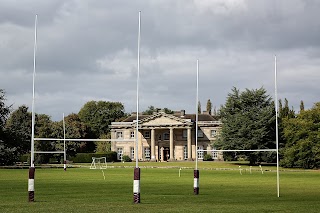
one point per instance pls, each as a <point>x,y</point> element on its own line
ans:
<point>201,117</point>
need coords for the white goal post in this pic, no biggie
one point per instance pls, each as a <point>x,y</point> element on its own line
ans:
<point>101,163</point>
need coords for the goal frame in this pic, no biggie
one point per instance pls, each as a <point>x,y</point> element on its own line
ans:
<point>100,164</point>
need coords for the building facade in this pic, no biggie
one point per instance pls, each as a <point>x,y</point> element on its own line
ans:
<point>166,137</point>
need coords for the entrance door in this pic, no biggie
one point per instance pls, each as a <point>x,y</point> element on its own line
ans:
<point>166,153</point>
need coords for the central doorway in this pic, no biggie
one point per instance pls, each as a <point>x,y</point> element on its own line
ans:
<point>166,153</point>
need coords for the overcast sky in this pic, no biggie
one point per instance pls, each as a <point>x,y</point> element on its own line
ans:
<point>87,50</point>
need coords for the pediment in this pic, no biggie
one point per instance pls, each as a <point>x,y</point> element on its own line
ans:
<point>162,119</point>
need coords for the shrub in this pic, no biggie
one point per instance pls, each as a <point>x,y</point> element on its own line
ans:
<point>87,157</point>
<point>207,157</point>
<point>126,158</point>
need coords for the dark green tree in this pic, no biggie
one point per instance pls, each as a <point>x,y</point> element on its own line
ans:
<point>285,112</point>
<point>75,129</point>
<point>209,106</point>
<point>168,111</point>
<point>151,109</point>
<point>98,115</point>
<point>302,148</point>
<point>199,107</point>
<point>8,153</point>
<point>4,111</point>
<point>19,126</point>
<point>43,129</point>
<point>301,106</point>
<point>248,119</point>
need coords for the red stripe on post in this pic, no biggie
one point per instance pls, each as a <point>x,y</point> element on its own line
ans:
<point>31,172</point>
<point>136,174</point>
<point>196,173</point>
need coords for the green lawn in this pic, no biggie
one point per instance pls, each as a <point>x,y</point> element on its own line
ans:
<point>162,190</point>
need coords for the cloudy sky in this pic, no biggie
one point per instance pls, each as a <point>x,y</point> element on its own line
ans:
<point>87,50</point>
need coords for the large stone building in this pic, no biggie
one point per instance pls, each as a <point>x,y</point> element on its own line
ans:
<point>165,137</point>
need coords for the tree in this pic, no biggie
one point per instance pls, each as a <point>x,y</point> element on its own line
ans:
<point>302,139</point>
<point>301,106</point>
<point>43,129</point>
<point>104,146</point>
<point>151,109</point>
<point>248,123</point>
<point>4,112</point>
<point>75,129</point>
<point>8,153</point>
<point>19,126</point>
<point>98,115</point>
<point>285,112</point>
<point>209,106</point>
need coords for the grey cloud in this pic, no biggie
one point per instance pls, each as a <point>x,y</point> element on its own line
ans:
<point>87,50</point>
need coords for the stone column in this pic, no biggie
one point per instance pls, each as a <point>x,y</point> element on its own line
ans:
<point>189,143</point>
<point>171,145</point>
<point>162,157</point>
<point>153,147</point>
<point>140,147</point>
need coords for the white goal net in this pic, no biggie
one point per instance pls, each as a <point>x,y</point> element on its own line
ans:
<point>98,163</point>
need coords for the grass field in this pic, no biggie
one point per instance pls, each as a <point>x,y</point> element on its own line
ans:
<point>162,190</point>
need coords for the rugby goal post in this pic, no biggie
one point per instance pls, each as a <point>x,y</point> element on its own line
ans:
<point>101,163</point>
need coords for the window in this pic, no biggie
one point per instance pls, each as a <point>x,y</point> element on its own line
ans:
<point>120,153</point>
<point>132,152</point>
<point>185,152</point>
<point>200,153</point>
<point>184,133</point>
<point>166,136</point>
<point>119,135</point>
<point>132,134</point>
<point>200,133</point>
<point>214,155</point>
<point>147,152</point>
<point>146,134</point>
<point>213,133</point>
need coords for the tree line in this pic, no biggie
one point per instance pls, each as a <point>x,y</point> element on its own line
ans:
<point>92,121</point>
<point>248,119</point>
<point>249,123</point>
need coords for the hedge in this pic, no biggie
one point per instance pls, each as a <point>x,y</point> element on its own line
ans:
<point>87,157</point>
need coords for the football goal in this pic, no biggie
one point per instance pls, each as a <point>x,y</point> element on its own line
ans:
<point>100,163</point>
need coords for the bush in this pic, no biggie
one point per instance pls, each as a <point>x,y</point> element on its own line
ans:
<point>207,157</point>
<point>8,156</point>
<point>87,157</point>
<point>25,158</point>
<point>126,158</point>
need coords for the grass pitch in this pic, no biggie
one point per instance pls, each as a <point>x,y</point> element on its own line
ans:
<point>162,190</point>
